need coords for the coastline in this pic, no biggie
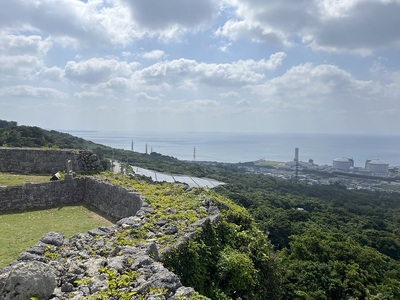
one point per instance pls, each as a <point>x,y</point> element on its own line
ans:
<point>247,147</point>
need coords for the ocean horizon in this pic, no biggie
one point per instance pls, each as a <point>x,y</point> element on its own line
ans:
<point>245,147</point>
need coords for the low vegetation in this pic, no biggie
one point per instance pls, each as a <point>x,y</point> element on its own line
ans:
<point>22,230</point>
<point>225,260</point>
<point>7,179</point>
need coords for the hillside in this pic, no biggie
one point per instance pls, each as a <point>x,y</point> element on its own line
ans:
<point>295,241</point>
<point>211,243</point>
<point>333,243</point>
<point>12,135</point>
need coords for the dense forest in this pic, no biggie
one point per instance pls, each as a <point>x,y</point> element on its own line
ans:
<point>332,243</point>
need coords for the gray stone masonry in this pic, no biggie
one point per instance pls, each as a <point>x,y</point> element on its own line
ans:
<point>46,161</point>
<point>113,201</point>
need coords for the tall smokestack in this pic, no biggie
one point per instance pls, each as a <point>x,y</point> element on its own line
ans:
<point>296,159</point>
<point>296,154</point>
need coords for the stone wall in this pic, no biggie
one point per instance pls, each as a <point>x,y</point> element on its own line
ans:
<point>113,201</point>
<point>46,161</point>
<point>111,261</point>
<point>44,195</point>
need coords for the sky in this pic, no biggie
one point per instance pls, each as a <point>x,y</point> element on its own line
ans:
<point>276,66</point>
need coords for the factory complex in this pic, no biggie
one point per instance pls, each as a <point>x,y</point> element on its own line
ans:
<point>372,167</point>
<point>375,175</point>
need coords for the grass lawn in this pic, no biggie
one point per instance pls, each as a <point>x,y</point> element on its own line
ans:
<point>269,163</point>
<point>8,179</point>
<point>19,231</point>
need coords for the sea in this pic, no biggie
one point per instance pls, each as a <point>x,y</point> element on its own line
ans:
<point>245,147</point>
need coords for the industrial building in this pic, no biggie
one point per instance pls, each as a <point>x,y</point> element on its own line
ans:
<point>376,166</point>
<point>342,164</point>
<point>373,167</point>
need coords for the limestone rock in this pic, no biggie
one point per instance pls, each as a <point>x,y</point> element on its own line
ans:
<point>53,238</point>
<point>29,279</point>
<point>183,292</point>
<point>163,278</point>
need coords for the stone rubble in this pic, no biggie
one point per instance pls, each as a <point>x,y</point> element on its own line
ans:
<point>57,268</point>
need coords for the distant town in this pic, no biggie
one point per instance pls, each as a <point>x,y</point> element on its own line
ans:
<point>375,175</point>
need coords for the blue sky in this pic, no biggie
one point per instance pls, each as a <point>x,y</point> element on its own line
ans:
<point>308,66</point>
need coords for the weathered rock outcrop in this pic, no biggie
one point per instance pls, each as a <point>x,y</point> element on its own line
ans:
<point>29,279</point>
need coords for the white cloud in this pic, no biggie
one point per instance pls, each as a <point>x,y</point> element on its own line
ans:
<point>243,102</point>
<point>322,88</point>
<point>155,54</point>
<point>88,95</point>
<point>274,61</point>
<point>353,25</point>
<point>113,88</point>
<point>168,71</point>
<point>24,45</point>
<point>114,84</point>
<point>50,74</point>
<point>230,94</point>
<point>21,65</point>
<point>145,97</point>
<point>185,72</point>
<point>92,21</point>
<point>20,55</point>
<point>27,91</point>
<point>225,47</point>
<point>240,29</point>
<point>97,70</point>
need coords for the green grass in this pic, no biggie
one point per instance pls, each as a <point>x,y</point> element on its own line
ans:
<point>20,231</point>
<point>268,163</point>
<point>8,179</point>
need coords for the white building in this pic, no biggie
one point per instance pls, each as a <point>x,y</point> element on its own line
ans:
<point>376,166</point>
<point>342,163</point>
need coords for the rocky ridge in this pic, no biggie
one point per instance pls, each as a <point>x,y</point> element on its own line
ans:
<point>122,261</point>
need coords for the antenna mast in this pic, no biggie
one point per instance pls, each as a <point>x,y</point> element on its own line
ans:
<point>194,153</point>
<point>296,159</point>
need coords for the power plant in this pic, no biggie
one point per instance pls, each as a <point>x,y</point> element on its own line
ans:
<point>376,166</point>
<point>372,167</point>
<point>343,163</point>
